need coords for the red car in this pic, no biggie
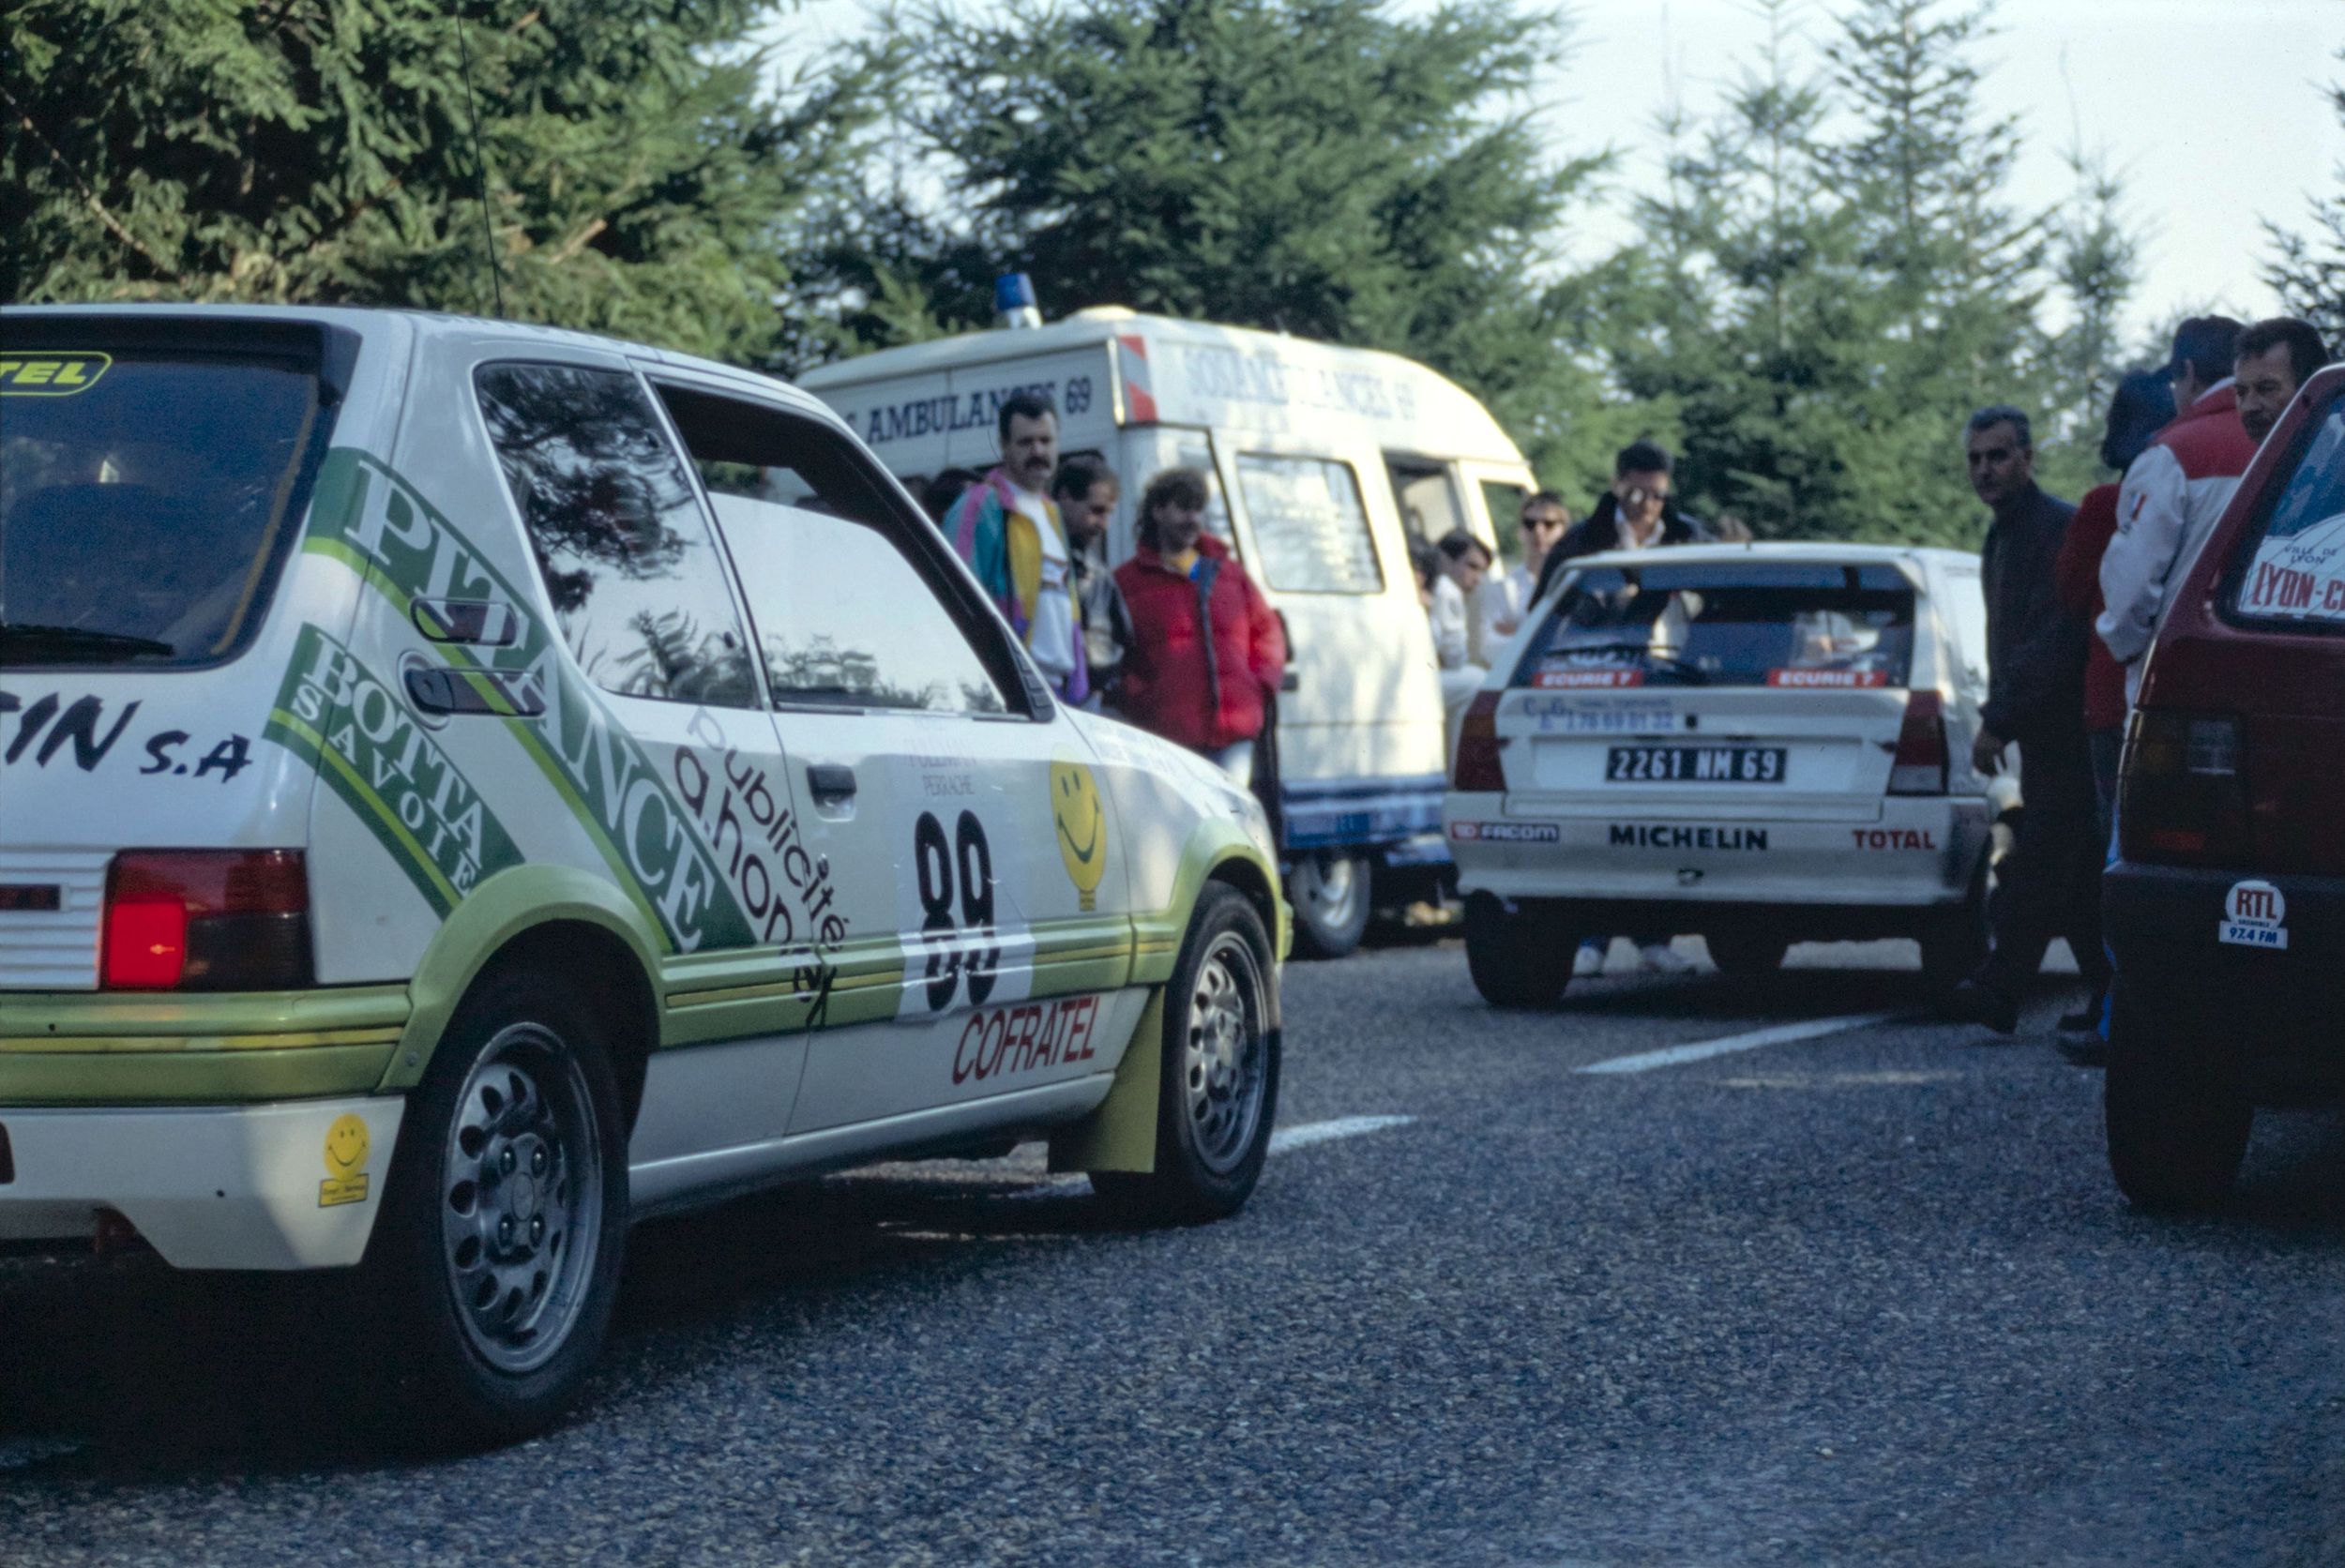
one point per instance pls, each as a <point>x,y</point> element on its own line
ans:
<point>2226,907</point>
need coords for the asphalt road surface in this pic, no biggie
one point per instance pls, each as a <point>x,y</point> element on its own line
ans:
<point>1862,1296</point>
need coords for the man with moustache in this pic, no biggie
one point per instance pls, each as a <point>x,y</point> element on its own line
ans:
<point>1008,531</point>
<point>2275,357</point>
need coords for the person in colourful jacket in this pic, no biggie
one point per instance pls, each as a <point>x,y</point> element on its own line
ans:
<point>1207,654</point>
<point>2174,492</point>
<point>1007,529</point>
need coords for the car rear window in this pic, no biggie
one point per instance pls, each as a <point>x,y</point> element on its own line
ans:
<point>1795,624</point>
<point>147,497</point>
<point>2291,568</point>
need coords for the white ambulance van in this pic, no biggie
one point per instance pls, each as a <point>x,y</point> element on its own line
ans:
<point>466,786</point>
<point>1325,460</point>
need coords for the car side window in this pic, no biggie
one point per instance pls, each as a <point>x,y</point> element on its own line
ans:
<point>1309,524</point>
<point>1964,605</point>
<point>622,545</point>
<point>845,613</point>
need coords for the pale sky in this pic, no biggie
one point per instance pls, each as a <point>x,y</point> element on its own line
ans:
<point>2213,110</point>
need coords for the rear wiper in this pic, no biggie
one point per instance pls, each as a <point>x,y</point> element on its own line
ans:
<point>1694,673</point>
<point>21,643</point>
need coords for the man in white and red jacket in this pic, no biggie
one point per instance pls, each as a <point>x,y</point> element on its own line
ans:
<point>2174,492</point>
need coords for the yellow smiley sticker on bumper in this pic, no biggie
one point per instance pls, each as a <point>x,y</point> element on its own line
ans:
<point>347,1145</point>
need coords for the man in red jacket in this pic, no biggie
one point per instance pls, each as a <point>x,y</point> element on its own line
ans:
<point>1207,654</point>
<point>2174,492</point>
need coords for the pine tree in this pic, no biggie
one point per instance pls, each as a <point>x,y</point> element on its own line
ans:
<point>1325,167</point>
<point>638,178</point>
<point>2096,263</point>
<point>1924,176</point>
<point>1748,312</point>
<point>2309,269</point>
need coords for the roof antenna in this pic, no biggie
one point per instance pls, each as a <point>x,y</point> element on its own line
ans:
<point>479,164</point>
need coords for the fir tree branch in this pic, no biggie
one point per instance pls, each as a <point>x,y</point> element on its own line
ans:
<point>97,206</point>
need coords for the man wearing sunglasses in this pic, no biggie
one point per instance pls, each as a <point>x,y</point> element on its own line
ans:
<point>1638,513</point>
<point>1503,597</point>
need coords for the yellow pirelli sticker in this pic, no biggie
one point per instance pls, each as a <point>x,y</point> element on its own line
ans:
<point>50,375</point>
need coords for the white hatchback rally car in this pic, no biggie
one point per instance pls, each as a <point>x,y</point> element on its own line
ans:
<point>464,786</point>
<point>1763,744</point>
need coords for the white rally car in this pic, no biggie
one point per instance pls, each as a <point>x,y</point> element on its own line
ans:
<point>464,786</point>
<point>1763,744</point>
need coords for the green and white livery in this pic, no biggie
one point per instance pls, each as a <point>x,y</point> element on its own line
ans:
<point>465,786</point>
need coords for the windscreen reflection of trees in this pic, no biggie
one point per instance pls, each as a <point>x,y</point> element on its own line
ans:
<point>597,484</point>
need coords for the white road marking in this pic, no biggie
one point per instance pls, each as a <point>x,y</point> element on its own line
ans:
<point>1644,1061</point>
<point>1287,1139</point>
<point>1284,1140</point>
<point>16,1453</point>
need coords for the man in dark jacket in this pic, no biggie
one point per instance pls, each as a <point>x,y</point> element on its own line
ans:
<point>1637,513</point>
<point>2035,699</point>
<point>1085,489</point>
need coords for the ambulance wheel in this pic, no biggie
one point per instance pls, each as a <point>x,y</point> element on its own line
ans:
<point>1517,952</point>
<point>2177,1129</point>
<point>1329,890</point>
<point>1955,946</point>
<point>1746,952</point>
<point>505,1221</point>
<point>1218,1095</point>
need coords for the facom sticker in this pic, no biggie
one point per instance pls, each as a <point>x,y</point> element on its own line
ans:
<point>1507,833</point>
<point>50,375</point>
<point>2254,915</point>
<point>347,1145</point>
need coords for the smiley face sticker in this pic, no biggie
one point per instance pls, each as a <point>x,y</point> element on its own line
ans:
<point>347,1145</point>
<point>1082,823</point>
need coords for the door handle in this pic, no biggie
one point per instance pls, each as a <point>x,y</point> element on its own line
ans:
<point>830,781</point>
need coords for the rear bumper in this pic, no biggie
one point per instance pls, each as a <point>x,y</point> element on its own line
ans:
<point>118,1049</point>
<point>1919,853</point>
<point>209,1187</point>
<point>2254,1007</point>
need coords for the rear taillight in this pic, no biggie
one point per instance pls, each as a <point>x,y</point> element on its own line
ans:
<point>1919,767</point>
<point>1478,747</point>
<point>2181,797</point>
<point>206,920</point>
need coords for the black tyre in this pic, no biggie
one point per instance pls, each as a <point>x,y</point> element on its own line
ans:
<point>1517,952</point>
<point>1746,952</point>
<point>1329,891</point>
<point>505,1221</point>
<point>1219,1093</point>
<point>1955,944</point>
<point>2177,1125</point>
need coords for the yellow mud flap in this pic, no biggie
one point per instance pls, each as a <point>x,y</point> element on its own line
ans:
<point>1121,1135</point>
